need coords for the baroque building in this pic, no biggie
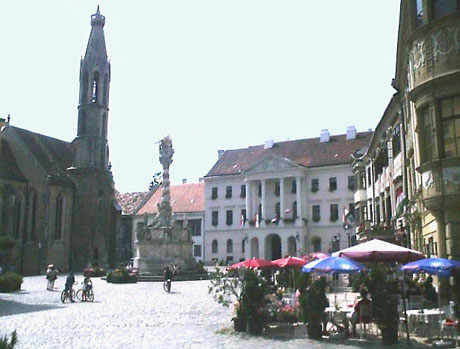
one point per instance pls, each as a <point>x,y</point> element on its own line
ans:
<point>280,199</point>
<point>419,188</point>
<point>57,198</point>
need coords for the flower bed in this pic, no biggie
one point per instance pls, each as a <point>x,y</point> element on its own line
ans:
<point>94,272</point>
<point>121,276</point>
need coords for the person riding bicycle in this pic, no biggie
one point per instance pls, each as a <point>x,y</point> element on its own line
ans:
<point>70,280</point>
<point>87,284</point>
<point>168,274</point>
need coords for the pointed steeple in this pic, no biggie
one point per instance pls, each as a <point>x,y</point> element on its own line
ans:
<point>91,141</point>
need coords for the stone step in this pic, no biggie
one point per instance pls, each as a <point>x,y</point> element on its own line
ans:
<point>184,277</point>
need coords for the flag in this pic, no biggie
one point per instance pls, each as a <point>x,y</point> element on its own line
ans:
<point>345,215</point>
<point>242,221</point>
<point>257,220</point>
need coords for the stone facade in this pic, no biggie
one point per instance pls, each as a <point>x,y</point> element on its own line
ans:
<point>280,199</point>
<point>57,198</point>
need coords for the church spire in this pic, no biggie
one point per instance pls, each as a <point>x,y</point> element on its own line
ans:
<point>91,141</point>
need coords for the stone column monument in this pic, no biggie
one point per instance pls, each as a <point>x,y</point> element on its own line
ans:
<point>160,243</point>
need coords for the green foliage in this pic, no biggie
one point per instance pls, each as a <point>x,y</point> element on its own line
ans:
<point>313,302</point>
<point>9,344</point>
<point>359,280</point>
<point>225,288</point>
<point>384,304</point>
<point>94,272</point>
<point>121,276</point>
<point>6,243</point>
<point>10,282</point>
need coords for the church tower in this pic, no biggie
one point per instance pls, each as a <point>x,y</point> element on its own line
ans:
<point>91,142</point>
<point>96,216</point>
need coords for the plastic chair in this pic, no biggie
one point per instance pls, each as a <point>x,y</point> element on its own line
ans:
<point>365,317</point>
<point>449,327</point>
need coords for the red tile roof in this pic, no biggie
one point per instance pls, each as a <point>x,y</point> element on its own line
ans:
<point>184,198</point>
<point>129,202</point>
<point>305,152</point>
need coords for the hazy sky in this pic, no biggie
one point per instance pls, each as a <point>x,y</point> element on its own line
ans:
<point>211,74</point>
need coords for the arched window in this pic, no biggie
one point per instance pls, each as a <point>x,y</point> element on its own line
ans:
<point>32,214</point>
<point>229,246</point>
<point>16,216</point>
<point>59,217</point>
<point>214,246</point>
<point>106,90</point>
<point>95,88</point>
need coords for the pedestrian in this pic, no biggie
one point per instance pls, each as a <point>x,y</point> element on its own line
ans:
<point>51,276</point>
<point>69,282</point>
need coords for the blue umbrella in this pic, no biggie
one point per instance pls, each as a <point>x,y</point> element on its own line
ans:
<point>435,266</point>
<point>330,265</point>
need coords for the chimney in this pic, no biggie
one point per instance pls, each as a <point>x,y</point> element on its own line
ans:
<point>220,153</point>
<point>351,132</point>
<point>268,144</point>
<point>184,180</point>
<point>200,179</point>
<point>324,136</point>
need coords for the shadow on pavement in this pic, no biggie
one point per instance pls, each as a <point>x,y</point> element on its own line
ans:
<point>13,308</point>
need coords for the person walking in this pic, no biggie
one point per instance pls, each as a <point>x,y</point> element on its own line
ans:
<point>51,276</point>
<point>69,282</point>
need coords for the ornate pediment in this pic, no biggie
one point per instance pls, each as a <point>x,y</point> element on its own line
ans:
<point>272,163</point>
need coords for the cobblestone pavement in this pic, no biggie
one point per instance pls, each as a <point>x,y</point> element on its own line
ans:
<point>128,316</point>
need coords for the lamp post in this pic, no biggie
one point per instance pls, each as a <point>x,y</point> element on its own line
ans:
<point>347,228</point>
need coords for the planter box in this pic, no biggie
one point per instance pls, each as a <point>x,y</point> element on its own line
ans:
<point>286,330</point>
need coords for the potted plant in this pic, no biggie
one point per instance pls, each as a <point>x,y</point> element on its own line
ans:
<point>253,300</point>
<point>313,302</point>
<point>384,306</point>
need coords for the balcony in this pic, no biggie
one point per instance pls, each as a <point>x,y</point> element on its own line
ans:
<point>366,231</point>
<point>360,195</point>
<point>440,186</point>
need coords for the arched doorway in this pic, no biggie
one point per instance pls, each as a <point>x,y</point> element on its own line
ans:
<point>272,247</point>
<point>292,246</point>
<point>254,248</point>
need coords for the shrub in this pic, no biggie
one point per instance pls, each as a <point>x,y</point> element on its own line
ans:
<point>121,276</point>
<point>9,344</point>
<point>10,282</point>
<point>6,243</point>
<point>94,272</point>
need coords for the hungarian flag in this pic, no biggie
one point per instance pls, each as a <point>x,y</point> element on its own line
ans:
<point>257,220</point>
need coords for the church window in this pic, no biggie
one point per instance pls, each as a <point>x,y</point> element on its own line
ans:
<point>229,246</point>
<point>94,88</point>
<point>214,246</point>
<point>59,217</point>
<point>106,90</point>
<point>16,216</point>
<point>32,214</point>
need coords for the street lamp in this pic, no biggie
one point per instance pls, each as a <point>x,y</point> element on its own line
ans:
<point>347,228</point>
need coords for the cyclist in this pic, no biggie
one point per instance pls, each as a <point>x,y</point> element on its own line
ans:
<point>168,274</point>
<point>87,284</point>
<point>69,283</point>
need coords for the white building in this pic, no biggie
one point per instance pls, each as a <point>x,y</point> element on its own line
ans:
<point>187,204</point>
<point>280,199</point>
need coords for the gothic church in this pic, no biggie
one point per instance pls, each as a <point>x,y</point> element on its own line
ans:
<point>57,198</point>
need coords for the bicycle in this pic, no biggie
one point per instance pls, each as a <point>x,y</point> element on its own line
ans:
<point>89,297</point>
<point>167,285</point>
<point>68,295</point>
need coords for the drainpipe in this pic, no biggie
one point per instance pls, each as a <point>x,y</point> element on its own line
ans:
<point>404,167</point>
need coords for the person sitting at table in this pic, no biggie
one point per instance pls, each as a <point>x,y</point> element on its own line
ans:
<point>429,293</point>
<point>358,315</point>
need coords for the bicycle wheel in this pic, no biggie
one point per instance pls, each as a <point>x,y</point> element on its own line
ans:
<point>80,294</point>
<point>90,295</point>
<point>72,296</point>
<point>165,286</point>
<point>63,296</point>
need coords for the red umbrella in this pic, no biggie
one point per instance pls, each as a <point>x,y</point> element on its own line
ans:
<point>252,263</point>
<point>315,255</point>
<point>290,262</point>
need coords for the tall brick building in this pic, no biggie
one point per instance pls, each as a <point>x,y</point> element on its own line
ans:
<point>57,198</point>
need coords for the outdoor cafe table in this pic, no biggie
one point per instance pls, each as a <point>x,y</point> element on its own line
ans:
<point>338,316</point>
<point>424,322</point>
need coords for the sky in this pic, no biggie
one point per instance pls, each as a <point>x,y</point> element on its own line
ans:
<point>210,74</point>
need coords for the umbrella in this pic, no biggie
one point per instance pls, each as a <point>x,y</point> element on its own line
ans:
<point>332,264</point>
<point>255,263</point>
<point>379,251</point>
<point>315,255</point>
<point>435,266</point>
<point>290,262</point>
